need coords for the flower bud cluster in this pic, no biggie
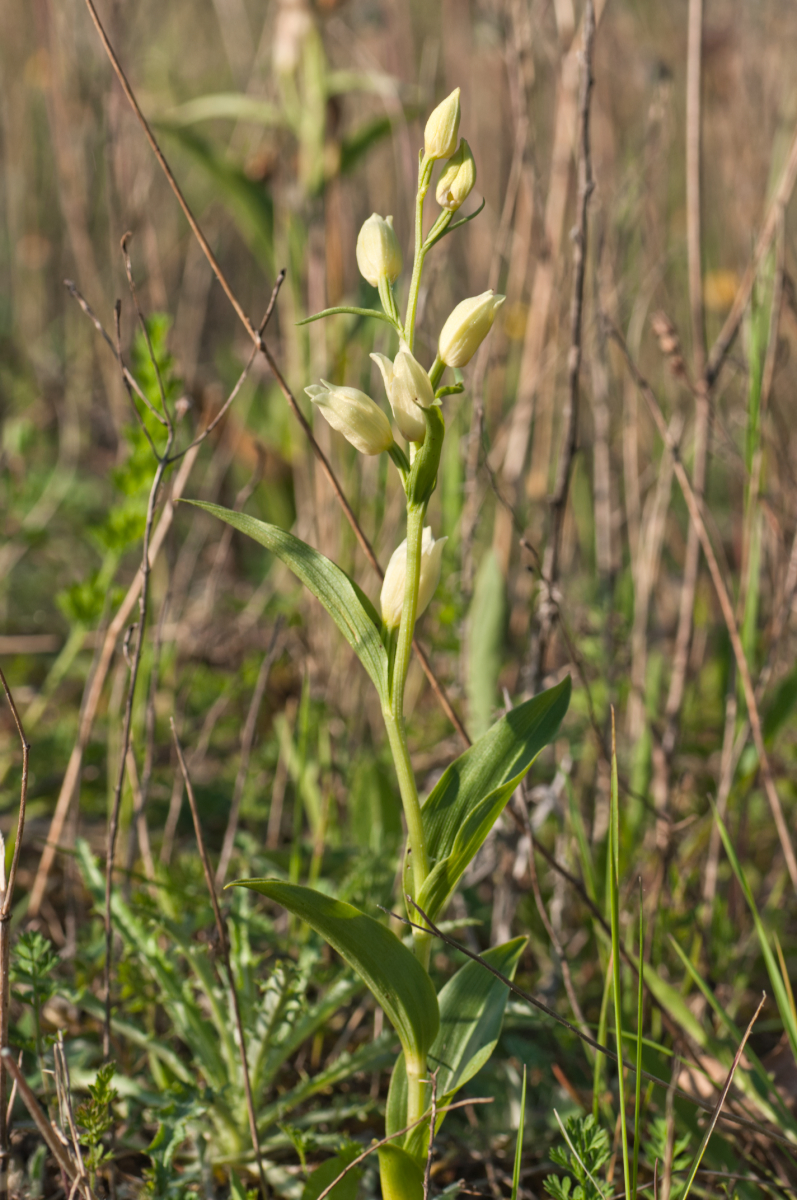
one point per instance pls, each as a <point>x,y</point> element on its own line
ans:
<point>392,597</point>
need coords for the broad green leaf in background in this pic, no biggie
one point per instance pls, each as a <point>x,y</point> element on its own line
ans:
<point>249,201</point>
<point>390,971</point>
<point>324,1175</point>
<point>486,619</point>
<point>349,607</point>
<point>235,106</point>
<point>471,793</point>
<point>472,1006</point>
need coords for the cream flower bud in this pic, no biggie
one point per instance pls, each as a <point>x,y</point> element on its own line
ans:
<point>407,385</point>
<point>354,415</point>
<point>392,598</point>
<point>442,128</point>
<point>456,183</point>
<point>467,327</point>
<point>378,251</point>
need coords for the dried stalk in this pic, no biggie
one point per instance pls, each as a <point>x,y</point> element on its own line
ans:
<point>5,937</point>
<point>51,1138</point>
<point>726,605</point>
<point>586,184</point>
<point>225,952</point>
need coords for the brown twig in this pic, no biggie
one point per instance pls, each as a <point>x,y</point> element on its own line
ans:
<point>427,1175</point>
<point>247,738</point>
<point>51,1139</point>
<point>260,344</point>
<point>225,952</point>
<point>144,571</point>
<point>586,184</point>
<point>5,935</point>
<point>726,606</point>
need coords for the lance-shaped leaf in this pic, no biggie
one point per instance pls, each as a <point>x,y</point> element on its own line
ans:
<point>472,1007</point>
<point>471,794</point>
<point>349,607</point>
<point>385,965</point>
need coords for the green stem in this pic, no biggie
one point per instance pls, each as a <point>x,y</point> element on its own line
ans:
<point>412,579</point>
<point>436,371</point>
<point>424,180</point>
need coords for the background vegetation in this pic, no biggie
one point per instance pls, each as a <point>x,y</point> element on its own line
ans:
<point>287,125</point>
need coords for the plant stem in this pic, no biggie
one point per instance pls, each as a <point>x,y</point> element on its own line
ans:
<point>424,179</point>
<point>394,716</point>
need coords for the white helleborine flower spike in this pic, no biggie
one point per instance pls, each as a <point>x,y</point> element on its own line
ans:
<point>459,175</point>
<point>392,597</point>
<point>442,128</point>
<point>408,386</point>
<point>354,415</point>
<point>467,327</point>
<point>378,251</point>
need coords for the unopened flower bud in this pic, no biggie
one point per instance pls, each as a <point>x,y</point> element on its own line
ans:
<point>392,597</point>
<point>467,327</point>
<point>442,128</point>
<point>456,183</point>
<point>354,415</point>
<point>407,386</point>
<point>378,251</point>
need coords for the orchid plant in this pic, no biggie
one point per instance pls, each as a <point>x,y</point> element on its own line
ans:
<point>454,1032</point>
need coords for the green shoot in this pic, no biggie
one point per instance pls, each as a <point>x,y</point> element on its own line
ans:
<point>614,883</point>
<point>519,1141</point>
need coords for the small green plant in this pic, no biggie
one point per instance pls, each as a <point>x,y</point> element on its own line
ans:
<point>95,1119</point>
<point>35,960</point>
<point>587,1151</point>
<point>454,1032</point>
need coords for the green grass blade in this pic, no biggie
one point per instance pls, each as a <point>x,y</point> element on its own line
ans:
<point>603,1024</point>
<point>782,998</point>
<point>519,1142</point>
<point>639,1014</point>
<point>614,877</point>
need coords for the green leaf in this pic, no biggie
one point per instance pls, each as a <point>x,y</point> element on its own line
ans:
<point>472,793</point>
<point>401,1177</point>
<point>486,619</point>
<point>345,308</point>
<point>388,969</point>
<point>472,1007</point>
<point>349,607</point>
